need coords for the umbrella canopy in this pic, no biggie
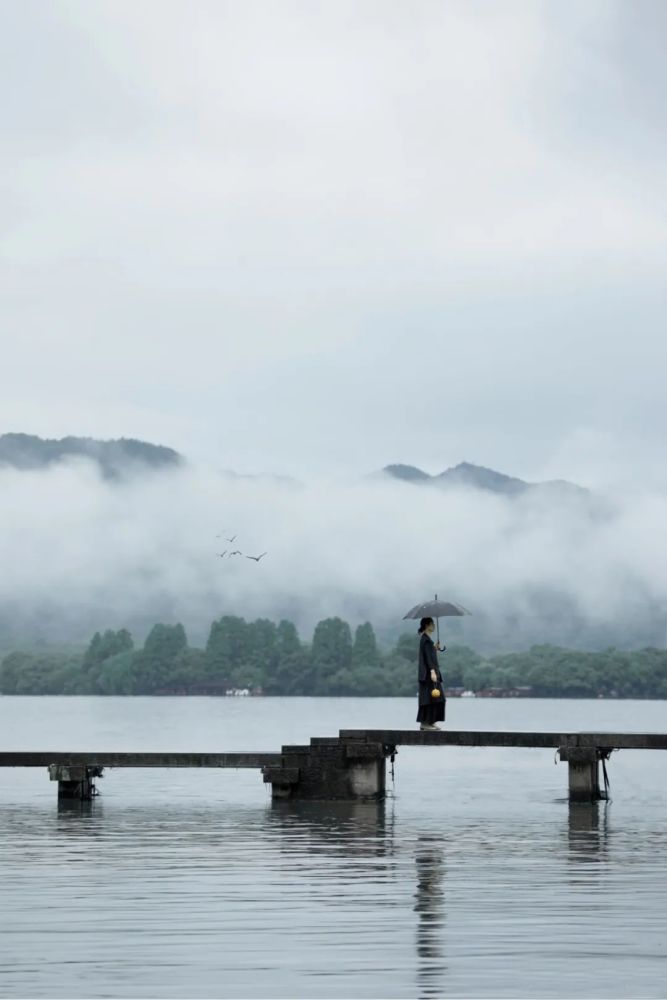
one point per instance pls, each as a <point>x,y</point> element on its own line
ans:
<point>436,609</point>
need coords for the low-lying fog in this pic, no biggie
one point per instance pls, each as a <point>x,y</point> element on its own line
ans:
<point>79,553</point>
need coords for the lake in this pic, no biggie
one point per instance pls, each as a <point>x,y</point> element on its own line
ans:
<point>475,878</point>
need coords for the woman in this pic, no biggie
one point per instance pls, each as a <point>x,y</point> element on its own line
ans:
<point>431,710</point>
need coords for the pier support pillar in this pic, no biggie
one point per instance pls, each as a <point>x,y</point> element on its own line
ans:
<point>329,769</point>
<point>583,764</point>
<point>75,781</point>
<point>368,779</point>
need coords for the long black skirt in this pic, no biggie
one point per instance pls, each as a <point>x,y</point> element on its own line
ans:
<point>432,713</point>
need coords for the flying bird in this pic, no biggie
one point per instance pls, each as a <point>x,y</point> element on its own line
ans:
<point>222,554</point>
<point>231,539</point>
<point>236,552</point>
<point>256,558</point>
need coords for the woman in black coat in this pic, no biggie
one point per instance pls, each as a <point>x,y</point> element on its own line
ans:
<point>431,710</point>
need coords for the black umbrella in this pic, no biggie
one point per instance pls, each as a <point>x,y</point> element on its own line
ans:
<point>436,609</point>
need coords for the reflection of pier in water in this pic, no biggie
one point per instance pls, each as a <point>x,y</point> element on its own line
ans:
<point>588,831</point>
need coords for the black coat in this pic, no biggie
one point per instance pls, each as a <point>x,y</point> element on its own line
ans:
<point>428,661</point>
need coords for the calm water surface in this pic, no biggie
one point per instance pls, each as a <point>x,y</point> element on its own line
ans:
<point>474,879</point>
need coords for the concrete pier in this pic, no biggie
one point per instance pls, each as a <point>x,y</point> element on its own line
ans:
<point>75,781</point>
<point>583,772</point>
<point>329,769</point>
<point>347,767</point>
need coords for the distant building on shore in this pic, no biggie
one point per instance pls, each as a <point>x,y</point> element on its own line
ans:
<point>500,692</point>
<point>490,692</point>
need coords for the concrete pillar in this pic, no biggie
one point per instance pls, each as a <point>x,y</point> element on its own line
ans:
<point>367,780</point>
<point>329,770</point>
<point>75,781</point>
<point>583,773</point>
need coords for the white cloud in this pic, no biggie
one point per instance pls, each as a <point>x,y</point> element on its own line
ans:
<point>310,231</point>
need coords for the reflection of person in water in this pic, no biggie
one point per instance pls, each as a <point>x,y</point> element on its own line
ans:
<point>429,900</point>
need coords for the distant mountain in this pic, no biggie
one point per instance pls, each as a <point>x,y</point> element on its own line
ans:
<point>410,473</point>
<point>119,458</point>
<point>480,478</point>
<point>116,459</point>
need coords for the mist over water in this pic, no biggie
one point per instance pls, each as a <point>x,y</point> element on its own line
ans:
<point>80,553</point>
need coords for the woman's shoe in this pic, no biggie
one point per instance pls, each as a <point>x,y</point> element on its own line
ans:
<point>426,728</point>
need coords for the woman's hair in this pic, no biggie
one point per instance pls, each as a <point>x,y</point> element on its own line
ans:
<point>423,624</point>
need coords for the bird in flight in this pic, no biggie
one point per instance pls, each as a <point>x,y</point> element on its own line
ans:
<point>236,552</point>
<point>222,554</point>
<point>256,558</point>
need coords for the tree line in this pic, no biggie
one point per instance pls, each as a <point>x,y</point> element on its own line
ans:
<point>271,658</point>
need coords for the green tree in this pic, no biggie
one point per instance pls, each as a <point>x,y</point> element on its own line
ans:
<point>331,653</point>
<point>260,655</point>
<point>102,647</point>
<point>187,673</point>
<point>13,666</point>
<point>155,663</point>
<point>361,671</point>
<point>118,674</point>
<point>292,674</point>
<point>455,662</point>
<point>397,678</point>
<point>226,651</point>
<point>407,646</point>
<point>92,655</point>
<point>46,673</point>
<point>478,676</point>
<point>365,653</point>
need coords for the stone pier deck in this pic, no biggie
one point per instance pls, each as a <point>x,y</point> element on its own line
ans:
<point>351,765</point>
<point>474,738</point>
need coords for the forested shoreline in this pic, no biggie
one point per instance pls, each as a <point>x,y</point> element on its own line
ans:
<point>272,659</point>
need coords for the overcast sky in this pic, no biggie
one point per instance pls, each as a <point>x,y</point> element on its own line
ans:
<point>300,236</point>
